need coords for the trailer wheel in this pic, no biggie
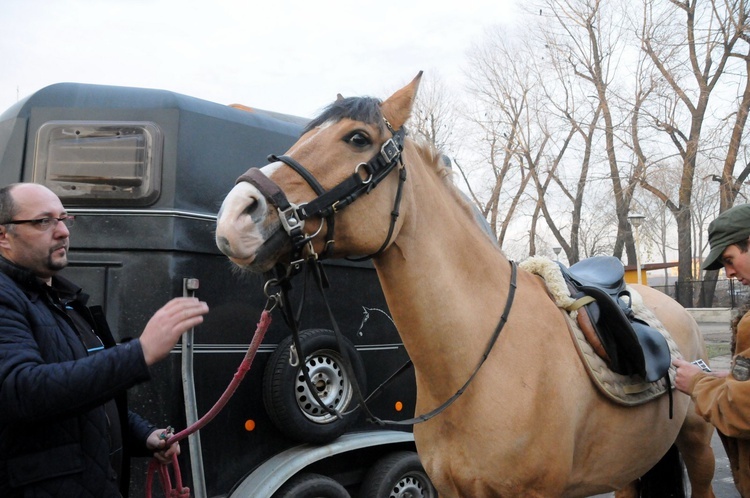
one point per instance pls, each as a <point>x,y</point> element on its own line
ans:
<point>398,475</point>
<point>311,486</point>
<point>288,401</point>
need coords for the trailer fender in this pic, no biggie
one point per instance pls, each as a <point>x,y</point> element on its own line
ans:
<point>277,470</point>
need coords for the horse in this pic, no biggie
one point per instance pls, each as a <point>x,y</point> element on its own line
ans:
<point>530,423</point>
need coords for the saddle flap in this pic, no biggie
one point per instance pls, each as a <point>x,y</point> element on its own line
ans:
<point>633,347</point>
<point>615,332</point>
<point>655,348</point>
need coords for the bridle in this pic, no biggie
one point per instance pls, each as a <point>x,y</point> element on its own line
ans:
<point>329,202</point>
<point>325,206</point>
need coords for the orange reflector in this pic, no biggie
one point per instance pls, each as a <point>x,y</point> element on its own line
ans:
<point>249,425</point>
<point>399,406</point>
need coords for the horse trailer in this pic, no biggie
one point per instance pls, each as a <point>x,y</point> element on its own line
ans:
<point>144,172</point>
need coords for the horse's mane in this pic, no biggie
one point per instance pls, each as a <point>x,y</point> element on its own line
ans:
<point>441,165</point>
<point>367,110</point>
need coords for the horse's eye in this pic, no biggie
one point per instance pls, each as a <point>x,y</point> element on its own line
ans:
<point>359,139</point>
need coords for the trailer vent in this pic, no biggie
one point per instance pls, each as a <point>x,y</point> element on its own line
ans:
<point>107,162</point>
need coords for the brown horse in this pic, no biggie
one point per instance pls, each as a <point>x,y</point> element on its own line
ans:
<point>531,423</point>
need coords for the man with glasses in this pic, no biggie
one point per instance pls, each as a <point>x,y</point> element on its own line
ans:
<point>64,427</point>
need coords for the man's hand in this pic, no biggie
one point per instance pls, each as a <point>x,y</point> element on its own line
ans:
<point>157,444</point>
<point>685,372</point>
<point>683,379</point>
<point>164,329</point>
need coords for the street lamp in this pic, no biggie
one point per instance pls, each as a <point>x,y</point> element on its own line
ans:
<point>557,252</point>
<point>635,221</point>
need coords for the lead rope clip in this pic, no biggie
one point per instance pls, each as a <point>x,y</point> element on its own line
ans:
<point>293,356</point>
<point>167,433</point>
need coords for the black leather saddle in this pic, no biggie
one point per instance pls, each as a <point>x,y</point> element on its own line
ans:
<point>630,345</point>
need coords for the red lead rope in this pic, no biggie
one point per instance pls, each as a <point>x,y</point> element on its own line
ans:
<point>180,491</point>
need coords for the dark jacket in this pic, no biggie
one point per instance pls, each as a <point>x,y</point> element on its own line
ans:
<point>54,438</point>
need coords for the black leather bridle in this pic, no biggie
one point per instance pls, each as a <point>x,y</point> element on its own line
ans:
<point>330,202</point>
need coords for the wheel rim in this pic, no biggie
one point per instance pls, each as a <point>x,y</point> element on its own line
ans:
<point>410,486</point>
<point>333,386</point>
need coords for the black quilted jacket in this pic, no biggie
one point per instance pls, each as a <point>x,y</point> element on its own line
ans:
<point>53,427</point>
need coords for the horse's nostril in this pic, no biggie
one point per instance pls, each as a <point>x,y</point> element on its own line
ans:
<point>251,207</point>
<point>223,244</point>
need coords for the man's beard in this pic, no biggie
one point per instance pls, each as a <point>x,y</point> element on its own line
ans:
<point>56,266</point>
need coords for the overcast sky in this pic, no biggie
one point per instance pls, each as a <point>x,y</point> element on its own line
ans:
<point>288,56</point>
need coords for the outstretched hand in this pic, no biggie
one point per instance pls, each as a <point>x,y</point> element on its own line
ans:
<point>164,329</point>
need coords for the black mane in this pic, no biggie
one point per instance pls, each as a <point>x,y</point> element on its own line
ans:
<point>365,109</point>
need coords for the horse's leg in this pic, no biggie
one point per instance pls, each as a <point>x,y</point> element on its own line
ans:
<point>694,443</point>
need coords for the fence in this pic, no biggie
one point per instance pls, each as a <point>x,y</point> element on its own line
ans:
<point>727,293</point>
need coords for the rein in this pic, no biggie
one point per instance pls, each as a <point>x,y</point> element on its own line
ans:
<point>293,323</point>
<point>155,467</point>
<point>503,319</point>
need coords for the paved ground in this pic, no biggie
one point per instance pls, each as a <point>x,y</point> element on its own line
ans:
<point>718,338</point>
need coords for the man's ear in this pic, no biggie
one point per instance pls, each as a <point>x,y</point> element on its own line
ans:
<point>4,238</point>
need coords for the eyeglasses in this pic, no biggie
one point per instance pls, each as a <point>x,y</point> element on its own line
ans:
<point>44,224</point>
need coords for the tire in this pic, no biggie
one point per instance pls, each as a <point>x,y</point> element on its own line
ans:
<point>311,486</point>
<point>398,475</point>
<point>288,401</point>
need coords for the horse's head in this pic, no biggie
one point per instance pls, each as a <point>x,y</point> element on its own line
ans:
<point>312,199</point>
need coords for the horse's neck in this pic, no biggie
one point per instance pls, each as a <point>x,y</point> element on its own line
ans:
<point>445,283</point>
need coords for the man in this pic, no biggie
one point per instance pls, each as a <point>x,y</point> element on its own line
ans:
<point>723,398</point>
<point>64,427</point>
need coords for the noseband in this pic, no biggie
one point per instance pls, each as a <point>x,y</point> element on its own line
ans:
<point>330,202</point>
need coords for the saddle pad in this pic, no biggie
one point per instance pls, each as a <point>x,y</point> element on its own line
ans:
<point>628,390</point>
<point>622,389</point>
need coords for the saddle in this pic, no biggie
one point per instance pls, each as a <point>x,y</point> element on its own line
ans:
<point>628,345</point>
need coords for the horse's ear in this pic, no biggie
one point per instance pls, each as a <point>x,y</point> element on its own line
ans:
<point>397,108</point>
<point>339,97</point>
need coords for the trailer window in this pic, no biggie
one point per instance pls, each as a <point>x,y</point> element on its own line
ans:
<point>106,162</point>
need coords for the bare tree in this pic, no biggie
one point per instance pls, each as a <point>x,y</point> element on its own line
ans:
<point>595,44</point>
<point>580,116</point>
<point>501,86</point>
<point>535,116</point>
<point>434,115</point>
<point>611,93</point>
<point>690,44</point>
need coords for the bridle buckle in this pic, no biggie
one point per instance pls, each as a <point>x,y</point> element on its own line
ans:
<point>290,219</point>
<point>390,151</point>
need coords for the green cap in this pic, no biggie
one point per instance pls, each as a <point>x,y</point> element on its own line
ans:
<point>730,227</point>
